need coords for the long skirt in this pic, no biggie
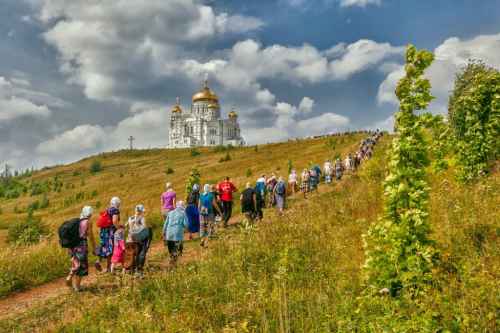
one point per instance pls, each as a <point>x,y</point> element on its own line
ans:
<point>280,201</point>
<point>80,259</point>
<point>193,216</point>
<point>207,225</point>
<point>106,237</point>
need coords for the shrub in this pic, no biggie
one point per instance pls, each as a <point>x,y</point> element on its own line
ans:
<point>76,173</point>
<point>27,232</point>
<point>45,202</point>
<point>169,171</point>
<point>475,119</point>
<point>226,158</point>
<point>249,173</point>
<point>194,178</point>
<point>195,152</point>
<point>98,204</point>
<point>95,167</point>
<point>35,205</point>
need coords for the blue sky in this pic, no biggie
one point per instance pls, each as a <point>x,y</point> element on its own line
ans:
<point>78,77</point>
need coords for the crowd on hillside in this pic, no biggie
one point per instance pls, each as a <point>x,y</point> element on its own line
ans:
<point>124,246</point>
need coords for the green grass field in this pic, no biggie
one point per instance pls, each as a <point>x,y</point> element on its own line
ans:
<point>298,273</point>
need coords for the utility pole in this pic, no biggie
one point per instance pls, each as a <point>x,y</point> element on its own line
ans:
<point>131,140</point>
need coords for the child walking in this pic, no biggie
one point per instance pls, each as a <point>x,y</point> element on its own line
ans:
<point>118,249</point>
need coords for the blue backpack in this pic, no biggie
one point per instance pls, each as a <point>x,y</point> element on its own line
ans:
<point>280,188</point>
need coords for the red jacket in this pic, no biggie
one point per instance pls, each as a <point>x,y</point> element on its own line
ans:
<point>226,189</point>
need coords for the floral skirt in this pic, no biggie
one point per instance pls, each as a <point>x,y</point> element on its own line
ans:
<point>207,225</point>
<point>80,259</point>
<point>106,236</point>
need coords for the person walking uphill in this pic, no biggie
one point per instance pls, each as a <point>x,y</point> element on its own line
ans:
<point>192,212</point>
<point>173,232</point>
<point>168,200</point>
<point>79,253</point>
<point>138,241</point>
<point>248,202</point>
<point>108,222</point>
<point>280,195</point>
<point>260,196</point>
<point>208,205</point>
<point>226,190</point>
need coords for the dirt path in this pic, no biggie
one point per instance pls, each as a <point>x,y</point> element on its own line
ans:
<point>20,302</point>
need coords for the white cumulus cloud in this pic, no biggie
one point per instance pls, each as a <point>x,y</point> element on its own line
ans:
<point>450,57</point>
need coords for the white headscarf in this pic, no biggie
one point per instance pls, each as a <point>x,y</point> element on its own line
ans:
<point>86,212</point>
<point>206,188</point>
<point>115,202</point>
<point>180,204</point>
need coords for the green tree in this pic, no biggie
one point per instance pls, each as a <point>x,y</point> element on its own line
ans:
<point>474,114</point>
<point>194,178</point>
<point>96,166</point>
<point>399,254</point>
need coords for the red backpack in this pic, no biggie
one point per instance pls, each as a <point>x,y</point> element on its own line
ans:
<point>104,220</point>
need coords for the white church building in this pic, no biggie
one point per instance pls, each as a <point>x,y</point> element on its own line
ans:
<point>203,126</point>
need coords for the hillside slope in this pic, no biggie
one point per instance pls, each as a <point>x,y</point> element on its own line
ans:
<point>303,272</point>
<point>138,177</point>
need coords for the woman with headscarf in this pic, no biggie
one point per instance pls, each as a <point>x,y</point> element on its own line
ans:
<point>248,202</point>
<point>106,234</point>
<point>138,241</point>
<point>207,208</point>
<point>173,232</point>
<point>192,211</point>
<point>168,199</point>
<point>304,184</point>
<point>280,195</point>
<point>79,254</point>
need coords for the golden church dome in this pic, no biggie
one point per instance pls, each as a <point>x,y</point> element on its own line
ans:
<point>177,107</point>
<point>233,114</point>
<point>213,106</point>
<point>206,95</point>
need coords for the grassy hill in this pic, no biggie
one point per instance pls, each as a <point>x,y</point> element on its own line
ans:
<point>137,176</point>
<point>298,273</point>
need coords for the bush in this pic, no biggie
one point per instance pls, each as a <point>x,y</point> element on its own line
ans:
<point>475,120</point>
<point>249,173</point>
<point>169,171</point>
<point>195,152</point>
<point>95,167</point>
<point>225,158</point>
<point>45,202</point>
<point>35,205</point>
<point>27,232</point>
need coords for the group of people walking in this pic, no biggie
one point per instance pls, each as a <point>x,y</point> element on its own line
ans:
<point>125,246</point>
